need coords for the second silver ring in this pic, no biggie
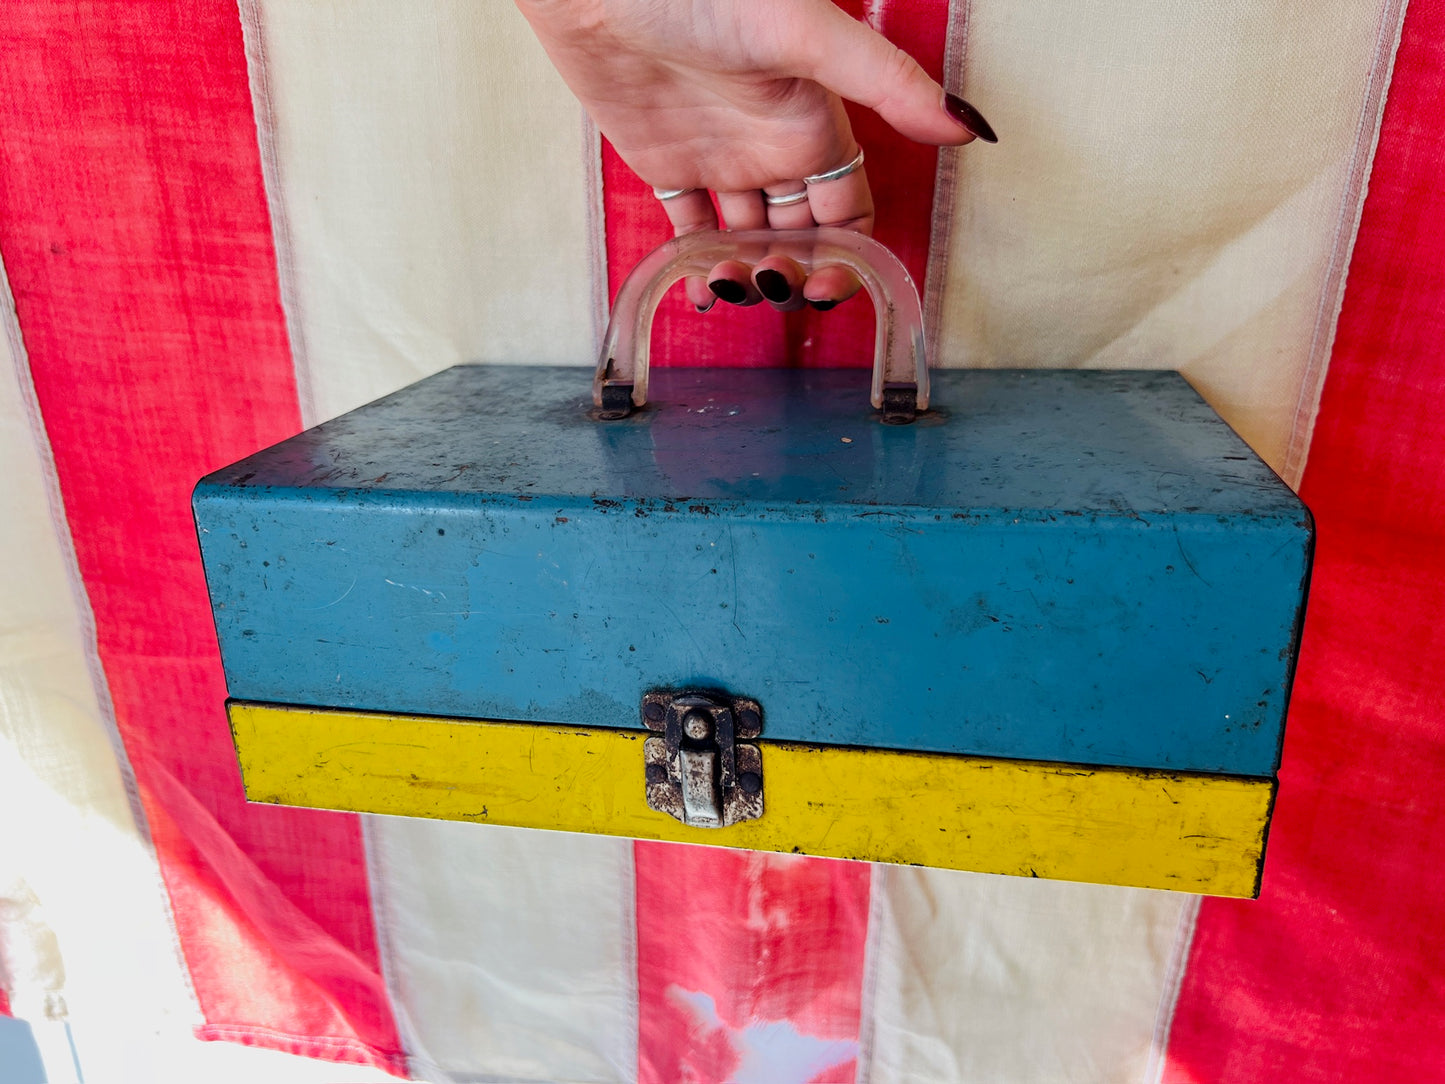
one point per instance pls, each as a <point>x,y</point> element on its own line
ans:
<point>836,174</point>
<point>786,200</point>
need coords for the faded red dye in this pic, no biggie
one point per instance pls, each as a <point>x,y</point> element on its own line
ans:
<point>134,231</point>
<point>747,956</point>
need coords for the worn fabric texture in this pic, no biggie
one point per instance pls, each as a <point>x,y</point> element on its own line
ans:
<point>218,229</point>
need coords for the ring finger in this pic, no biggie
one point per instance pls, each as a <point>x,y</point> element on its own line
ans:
<point>794,214</point>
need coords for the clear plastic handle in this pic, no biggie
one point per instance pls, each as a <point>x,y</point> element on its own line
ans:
<point>900,366</point>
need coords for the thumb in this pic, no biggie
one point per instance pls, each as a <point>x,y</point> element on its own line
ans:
<point>856,62</point>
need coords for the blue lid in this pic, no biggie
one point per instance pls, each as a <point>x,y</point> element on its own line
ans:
<point>1084,566</point>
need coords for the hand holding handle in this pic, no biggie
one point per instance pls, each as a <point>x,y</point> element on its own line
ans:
<point>900,367</point>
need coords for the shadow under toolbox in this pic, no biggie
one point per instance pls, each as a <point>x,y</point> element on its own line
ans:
<point>1047,629</point>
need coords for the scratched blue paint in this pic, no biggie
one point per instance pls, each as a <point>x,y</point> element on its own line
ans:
<point>1074,566</point>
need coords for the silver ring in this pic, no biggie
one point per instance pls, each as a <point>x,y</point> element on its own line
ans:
<point>835,174</point>
<point>786,200</point>
<point>666,194</point>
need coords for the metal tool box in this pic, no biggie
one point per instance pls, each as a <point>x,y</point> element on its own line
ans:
<point>1046,627</point>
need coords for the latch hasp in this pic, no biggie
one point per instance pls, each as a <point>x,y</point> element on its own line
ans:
<point>700,769</point>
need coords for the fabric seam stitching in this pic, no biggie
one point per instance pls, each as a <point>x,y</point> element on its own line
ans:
<point>1347,226</point>
<point>596,229</point>
<point>253,37</point>
<point>1173,985</point>
<point>945,183</point>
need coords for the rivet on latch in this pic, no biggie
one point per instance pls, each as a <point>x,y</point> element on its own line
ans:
<point>697,770</point>
<point>697,726</point>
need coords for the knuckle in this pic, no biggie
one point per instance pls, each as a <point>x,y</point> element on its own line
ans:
<point>898,80</point>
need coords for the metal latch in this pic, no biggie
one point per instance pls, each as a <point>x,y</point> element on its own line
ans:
<point>699,770</point>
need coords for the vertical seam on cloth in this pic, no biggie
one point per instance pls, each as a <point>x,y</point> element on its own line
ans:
<point>377,873</point>
<point>1169,996</point>
<point>631,1036</point>
<point>253,39</point>
<point>945,182</point>
<point>877,920</point>
<point>636,970</point>
<point>1347,226</point>
<point>596,230</point>
<point>85,617</point>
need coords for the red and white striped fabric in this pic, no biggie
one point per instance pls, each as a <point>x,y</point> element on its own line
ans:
<point>216,230</point>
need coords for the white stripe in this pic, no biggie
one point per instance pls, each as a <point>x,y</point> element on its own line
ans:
<point>438,211</point>
<point>509,952</point>
<point>423,171</point>
<point>1002,979</point>
<point>1174,187</point>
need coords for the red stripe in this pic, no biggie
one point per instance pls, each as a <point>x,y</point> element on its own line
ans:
<point>747,961</point>
<point>767,945</point>
<point>1335,973</point>
<point>134,229</point>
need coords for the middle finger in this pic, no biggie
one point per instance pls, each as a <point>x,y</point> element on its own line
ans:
<point>796,215</point>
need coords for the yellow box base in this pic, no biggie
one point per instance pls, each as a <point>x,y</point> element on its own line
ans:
<point>1180,831</point>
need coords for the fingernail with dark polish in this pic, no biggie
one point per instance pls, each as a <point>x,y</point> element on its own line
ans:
<point>730,291</point>
<point>969,117</point>
<point>705,308</point>
<point>823,306</point>
<point>773,285</point>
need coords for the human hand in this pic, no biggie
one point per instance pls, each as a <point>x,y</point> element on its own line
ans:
<point>743,97</point>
